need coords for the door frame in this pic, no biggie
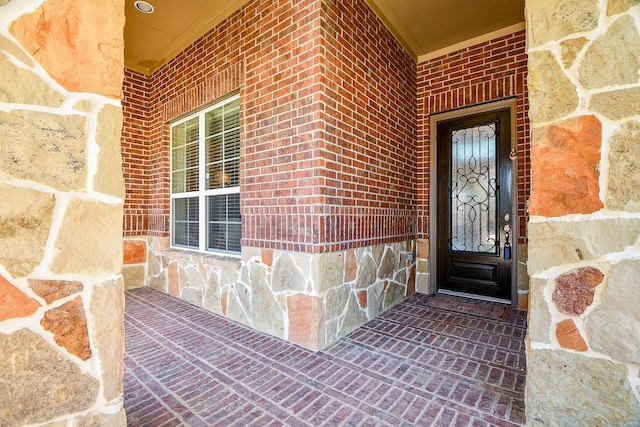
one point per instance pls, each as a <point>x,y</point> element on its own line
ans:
<point>510,104</point>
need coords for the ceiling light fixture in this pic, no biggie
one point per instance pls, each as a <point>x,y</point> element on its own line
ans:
<point>143,6</point>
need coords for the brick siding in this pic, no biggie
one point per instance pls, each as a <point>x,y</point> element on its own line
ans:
<point>135,156</point>
<point>331,112</point>
<point>325,165</point>
<point>370,106</point>
<point>489,71</point>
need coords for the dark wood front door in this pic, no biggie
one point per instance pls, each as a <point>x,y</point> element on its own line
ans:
<point>474,212</point>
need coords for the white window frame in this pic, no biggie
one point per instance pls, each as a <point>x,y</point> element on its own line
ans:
<point>201,193</point>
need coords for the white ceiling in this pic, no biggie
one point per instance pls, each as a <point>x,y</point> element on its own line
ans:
<point>424,27</point>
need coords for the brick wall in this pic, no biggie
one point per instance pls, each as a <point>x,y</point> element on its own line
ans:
<point>489,71</point>
<point>327,132</point>
<point>329,120</point>
<point>135,156</point>
<point>370,132</point>
<point>282,195</point>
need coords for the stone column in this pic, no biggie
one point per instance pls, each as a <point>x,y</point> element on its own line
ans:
<point>61,290</point>
<point>583,344</point>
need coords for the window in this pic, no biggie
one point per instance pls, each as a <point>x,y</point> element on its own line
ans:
<point>205,179</point>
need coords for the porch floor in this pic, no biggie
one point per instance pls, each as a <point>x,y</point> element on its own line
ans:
<point>412,366</point>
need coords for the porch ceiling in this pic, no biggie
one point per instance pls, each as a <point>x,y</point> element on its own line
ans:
<point>426,28</point>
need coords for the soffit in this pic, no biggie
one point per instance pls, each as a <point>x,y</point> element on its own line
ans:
<point>426,28</point>
<point>152,40</point>
<point>429,28</point>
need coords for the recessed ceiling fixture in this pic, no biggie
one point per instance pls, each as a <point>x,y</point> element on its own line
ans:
<point>143,6</point>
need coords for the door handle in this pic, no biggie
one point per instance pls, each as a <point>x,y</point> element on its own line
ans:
<point>507,245</point>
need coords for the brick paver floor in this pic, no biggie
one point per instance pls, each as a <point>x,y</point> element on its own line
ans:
<point>412,366</point>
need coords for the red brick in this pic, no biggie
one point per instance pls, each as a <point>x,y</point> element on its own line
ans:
<point>318,117</point>
<point>490,71</point>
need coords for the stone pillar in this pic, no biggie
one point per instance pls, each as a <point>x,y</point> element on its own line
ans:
<point>61,290</point>
<point>583,344</point>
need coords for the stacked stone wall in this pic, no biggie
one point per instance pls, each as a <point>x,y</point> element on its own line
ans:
<point>583,346</point>
<point>136,252</point>
<point>61,292</point>
<point>309,299</point>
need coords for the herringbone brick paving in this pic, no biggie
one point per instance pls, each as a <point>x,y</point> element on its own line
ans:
<point>412,366</point>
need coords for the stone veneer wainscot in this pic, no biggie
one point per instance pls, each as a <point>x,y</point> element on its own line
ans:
<point>308,299</point>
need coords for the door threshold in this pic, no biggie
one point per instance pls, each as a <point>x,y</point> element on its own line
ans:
<point>474,296</point>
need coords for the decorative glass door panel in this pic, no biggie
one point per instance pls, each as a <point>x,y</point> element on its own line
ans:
<point>473,189</point>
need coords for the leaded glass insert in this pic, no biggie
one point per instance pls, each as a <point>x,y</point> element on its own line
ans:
<point>473,189</point>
